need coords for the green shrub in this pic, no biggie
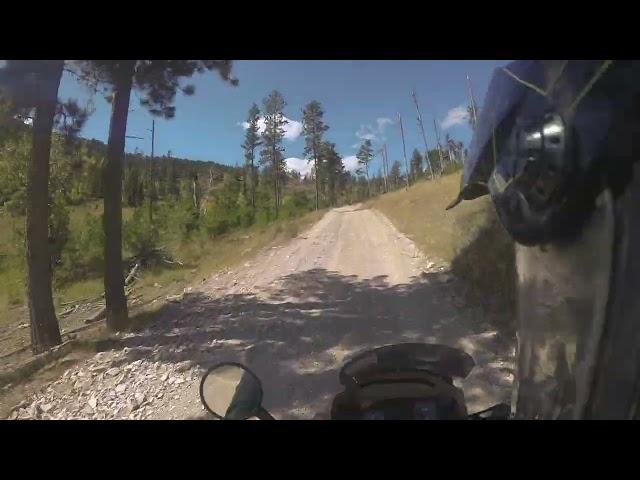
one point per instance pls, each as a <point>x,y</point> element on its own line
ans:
<point>215,224</point>
<point>451,168</point>
<point>141,237</point>
<point>83,255</point>
<point>59,232</point>
<point>15,204</point>
<point>296,204</point>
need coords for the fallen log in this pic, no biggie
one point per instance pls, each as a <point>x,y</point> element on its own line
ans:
<point>99,315</point>
<point>173,263</point>
<point>132,274</point>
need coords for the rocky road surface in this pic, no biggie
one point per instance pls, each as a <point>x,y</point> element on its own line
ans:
<point>293,315</point>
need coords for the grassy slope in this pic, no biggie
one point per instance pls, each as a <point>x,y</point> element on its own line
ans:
<point>200,257</point>
<point>469,237</point>
<point>12,273</point>
<point>420,213</point>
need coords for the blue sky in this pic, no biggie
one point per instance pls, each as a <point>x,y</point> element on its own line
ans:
<point>360,99</point>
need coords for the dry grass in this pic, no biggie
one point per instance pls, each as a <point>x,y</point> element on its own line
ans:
<point>469,237</point>
<point>200,256</point>
<point>420,213</point>
<point>12,266</point>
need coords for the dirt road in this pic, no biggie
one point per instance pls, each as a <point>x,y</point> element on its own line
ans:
<point>293,315</point>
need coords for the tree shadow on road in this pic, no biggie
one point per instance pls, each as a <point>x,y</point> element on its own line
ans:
<point>296,335</point>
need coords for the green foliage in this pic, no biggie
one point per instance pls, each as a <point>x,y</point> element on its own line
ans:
<point>156,81</point>
<point>229,210</point>
<point>451,167</point>
<point>416,165</point>
<point>252,136</point>
<point>58,228</point>
<point>332,171</point>
<point>133,186</point>
<point>434,158</point>
<point>141,237</point>
<point>271,155</point>
<point>313,128</point>
<point>364,156</point>
<point>395,177</point>
<point>14,156</point>
<point>297,204</point>
<point>82,257</point>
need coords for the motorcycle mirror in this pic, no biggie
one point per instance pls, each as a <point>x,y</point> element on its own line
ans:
<point>230,391</point>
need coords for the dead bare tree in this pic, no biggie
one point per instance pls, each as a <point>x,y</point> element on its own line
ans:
<point>385,170</point>
<point>424,137</point>
<point>435,128</point>
<point>404,150</point>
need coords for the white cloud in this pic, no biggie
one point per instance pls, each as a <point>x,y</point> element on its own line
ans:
<point>292,129</point>
<point>356,145</point>
<point>350,163</point>
<point>367,132</point>
<point>455,116</point>
<point>367,136</point>
<point>383,122</point>
<point>300,165</point>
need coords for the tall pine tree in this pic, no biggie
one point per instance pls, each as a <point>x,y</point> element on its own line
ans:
<point>158,82</point>
<point>364,156</point>
<point>395,177</point>
<point>334,170</point>
<point>252,141</point>
<point>271,155</point>
<point>313,128</point>
<point>30,88</point>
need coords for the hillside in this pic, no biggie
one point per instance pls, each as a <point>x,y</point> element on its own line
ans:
<point>469,237</point>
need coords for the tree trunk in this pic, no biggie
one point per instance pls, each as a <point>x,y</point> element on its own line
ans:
<point>196,194</point>
<point>253,186</point>
<point>116,302</point>
<point>317,173</point>
<point>366,170</point>
<point>275,175</point>
<point>384,168</point>
<point>404,150</point>
<point>45,332</point>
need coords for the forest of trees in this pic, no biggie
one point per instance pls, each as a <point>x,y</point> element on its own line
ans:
<point>47,170</point>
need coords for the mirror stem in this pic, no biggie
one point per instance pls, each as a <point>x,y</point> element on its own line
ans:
<point>262,414</point>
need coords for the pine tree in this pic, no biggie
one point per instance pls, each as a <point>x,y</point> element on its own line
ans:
<point>252,141</point>
<point>158,82</point>
<point>26,87</point>
<point>271,155</point>
<point>416,164</point>
<point>313,128</point>
<point>364,156</point>
<point>395,177</point>
<point>133,186</point>
<point>334,170</point>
